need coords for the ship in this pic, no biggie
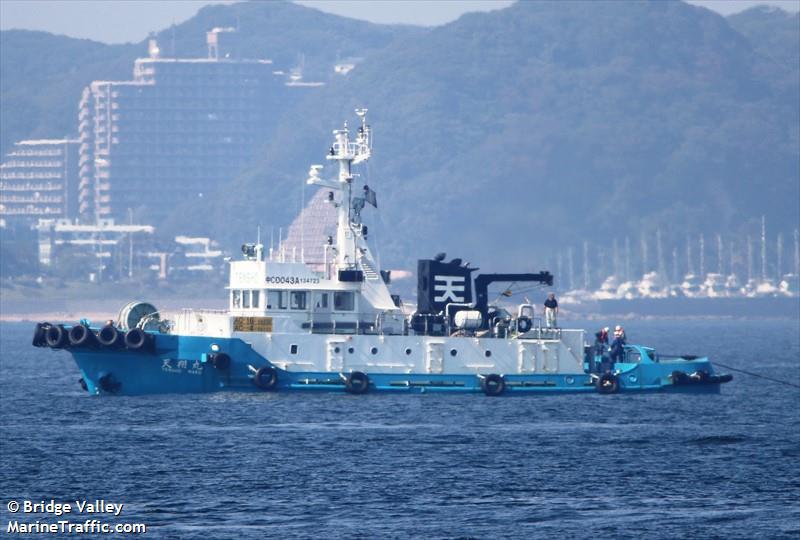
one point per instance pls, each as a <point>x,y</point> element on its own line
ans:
<point>335,326</point>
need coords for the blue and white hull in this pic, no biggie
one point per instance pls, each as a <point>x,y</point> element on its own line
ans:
<point>193,364</point>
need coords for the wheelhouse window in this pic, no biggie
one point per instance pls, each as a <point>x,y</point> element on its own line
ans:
<point>236,299</point>
<point>255,300</point>
<point>322,300</point>
<point>343,301</point>
<point>298,299</point>
<point>246,299</point>
<point>276,300</point>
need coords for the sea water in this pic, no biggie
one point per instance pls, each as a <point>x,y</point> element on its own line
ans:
<point>267,465</point>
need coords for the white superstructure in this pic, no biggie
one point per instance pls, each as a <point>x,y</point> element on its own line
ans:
<point>340,316</point>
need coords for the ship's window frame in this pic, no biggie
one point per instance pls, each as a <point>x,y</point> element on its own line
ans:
<point>236,298</point>
<point>255,298</point>
<point>633,356</point>
<point>293,348</point>
<point>344,301</point>
<point>321,300</point>
<point>276,299</point>
<point>298,300</point>
<point>246,299</point>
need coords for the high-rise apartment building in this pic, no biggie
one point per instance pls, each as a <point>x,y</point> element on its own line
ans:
<point>38,179</point>
<point>178,130</point>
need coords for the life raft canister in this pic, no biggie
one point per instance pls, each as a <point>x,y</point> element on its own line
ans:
<point>266,378</point>
<point>493,384</point>
<point>608,384</point>
<point>356,382</point>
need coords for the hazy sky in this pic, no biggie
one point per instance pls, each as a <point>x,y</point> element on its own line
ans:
<point>119,21</point>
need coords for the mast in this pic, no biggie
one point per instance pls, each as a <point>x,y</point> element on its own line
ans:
<point>797,252</point>
<point>763,248</point>
<point>349,230</point>
<point>702,256</point>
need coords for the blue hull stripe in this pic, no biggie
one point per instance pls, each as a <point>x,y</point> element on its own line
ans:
<point>180,364</point>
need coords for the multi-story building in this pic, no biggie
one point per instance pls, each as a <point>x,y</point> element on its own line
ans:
<point>178,130</point>
<point>38,179</point>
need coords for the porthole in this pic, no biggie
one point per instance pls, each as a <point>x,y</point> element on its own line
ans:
<point>453,352</point>
<point>337,350</point>
<point>488,354</point>
<point>293,349</point>
<point>408,351</point>
<point>351,350</point>
<point>374,350</point>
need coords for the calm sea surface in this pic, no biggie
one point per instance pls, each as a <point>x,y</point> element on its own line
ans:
<point>423,466</point>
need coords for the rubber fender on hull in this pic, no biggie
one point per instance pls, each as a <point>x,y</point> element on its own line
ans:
<point>493,385</point>
<point>720,379</point>
<point>679,377</point>
<point>266,378</point>
<point>82,336</point>
<point>356,382</point>
<point>57,337</point>
<point>139,340</point>
<point>40,335</point>
<point>221,361</point>
<point>608,384</point>
<point>108,384</point>
<point>109,336</point>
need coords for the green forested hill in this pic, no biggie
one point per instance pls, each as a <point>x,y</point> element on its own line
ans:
<point>42,77</point>
<point>504,135</point>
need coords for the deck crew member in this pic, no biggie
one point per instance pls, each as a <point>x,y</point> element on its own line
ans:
<point>551,310</point>
<point>618,346</point>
